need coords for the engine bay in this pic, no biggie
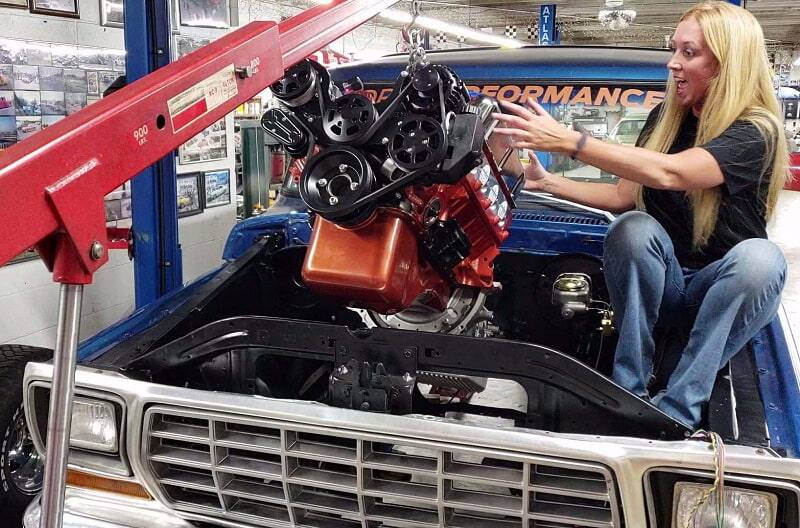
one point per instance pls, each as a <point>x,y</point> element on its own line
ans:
<point>402,301</point>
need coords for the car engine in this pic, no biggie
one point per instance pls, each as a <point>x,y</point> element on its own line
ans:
<point>409,202</point>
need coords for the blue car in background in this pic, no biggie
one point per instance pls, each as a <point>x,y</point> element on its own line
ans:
<point>215,403</point>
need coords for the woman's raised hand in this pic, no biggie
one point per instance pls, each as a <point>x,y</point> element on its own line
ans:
<point>534,128</point>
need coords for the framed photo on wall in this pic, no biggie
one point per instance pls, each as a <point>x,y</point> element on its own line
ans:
<point>205,13</point>
<point>111,13</point>
<point>185,44</point>
<point>64,8</point>
<point>23,4</point>
<point>217,189</point>
<point>190,194</point>
<point>210,144</point>
<point>8,131</point>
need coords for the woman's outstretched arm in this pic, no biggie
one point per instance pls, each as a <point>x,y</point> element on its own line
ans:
<point>694,168</point>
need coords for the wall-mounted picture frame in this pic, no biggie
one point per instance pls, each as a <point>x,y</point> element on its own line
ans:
<point>185,44</point>
<point>205,13</point>
<point>111,13</point>
<point>22,4</point>
<point>64,55</point>
<point>7,103</point>
<point>190,194</point>
<point>75,80</point>
<point>53,103</point>
<point>13,52</point>
<point>27,103</point>
<point>28,126</point>
<point>6,77</point>
<point>38,54</point>
<point>63,8</point>
<point>118,60</point>
<point>74,102</point>
<point>8,131</point>
<point>217,187</point>
<point>209,145</point>
<point>106,79</point>
<point>92,83</point>
<point>51,78</point>
<point>26,77</point>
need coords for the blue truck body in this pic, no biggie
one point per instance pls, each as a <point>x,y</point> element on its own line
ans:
<point>535,229</point>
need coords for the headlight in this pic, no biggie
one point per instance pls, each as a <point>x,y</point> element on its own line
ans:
<point>743,508</point>
<point>94,426</point>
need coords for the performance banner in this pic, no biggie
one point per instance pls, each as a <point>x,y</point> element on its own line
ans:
<point>568,94</point>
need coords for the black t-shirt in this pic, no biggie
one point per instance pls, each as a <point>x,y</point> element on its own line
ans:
<point>739,151</point>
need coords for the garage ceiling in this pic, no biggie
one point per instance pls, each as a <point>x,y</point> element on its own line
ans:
<point>578,18</point>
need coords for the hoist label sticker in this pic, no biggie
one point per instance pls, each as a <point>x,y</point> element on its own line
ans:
<point>202,98</point>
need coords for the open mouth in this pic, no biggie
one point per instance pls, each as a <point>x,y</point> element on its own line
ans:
<point>681,85</point>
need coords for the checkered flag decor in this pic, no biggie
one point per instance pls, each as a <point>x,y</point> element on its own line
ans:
<point>511,31</point>
<point>532,32</point>
<point>461,39</point>
<point>440,38</point>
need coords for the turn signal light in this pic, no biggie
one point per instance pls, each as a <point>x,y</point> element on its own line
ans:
<point>80,479</point>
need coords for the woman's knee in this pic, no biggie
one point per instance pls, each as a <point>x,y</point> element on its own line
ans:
<point>630,232</point>
<point>757,265</point>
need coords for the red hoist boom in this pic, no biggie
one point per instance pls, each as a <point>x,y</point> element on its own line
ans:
<point>52,185</point>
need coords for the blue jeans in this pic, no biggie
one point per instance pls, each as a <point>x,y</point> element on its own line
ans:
<point>723,304</point>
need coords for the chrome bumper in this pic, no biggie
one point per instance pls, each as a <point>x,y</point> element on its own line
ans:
<point>88,509</point>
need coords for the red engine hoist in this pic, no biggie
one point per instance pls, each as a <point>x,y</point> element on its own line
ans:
<point>52,185</point>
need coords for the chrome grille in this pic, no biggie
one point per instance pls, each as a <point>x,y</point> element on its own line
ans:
<point>269,473</point>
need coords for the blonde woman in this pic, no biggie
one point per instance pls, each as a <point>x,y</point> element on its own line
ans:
<point>705,177</point>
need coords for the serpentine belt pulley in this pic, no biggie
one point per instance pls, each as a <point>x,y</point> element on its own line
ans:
<point>349,118</point>
<point>334,180</point>
<point>298,86</point>
<point>417,142</point>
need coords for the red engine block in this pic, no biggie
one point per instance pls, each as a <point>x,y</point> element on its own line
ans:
<point>378,265</point>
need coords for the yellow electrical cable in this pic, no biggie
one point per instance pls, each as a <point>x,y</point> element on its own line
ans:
<point>719,481</point>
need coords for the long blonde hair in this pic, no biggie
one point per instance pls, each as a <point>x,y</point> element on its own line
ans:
<point>742,89</point>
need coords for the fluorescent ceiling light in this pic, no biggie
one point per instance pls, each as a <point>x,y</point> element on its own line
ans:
<point>453,29</point>
<point>435,24</point>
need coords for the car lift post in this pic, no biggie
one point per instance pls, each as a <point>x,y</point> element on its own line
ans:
<point>58,207</point>
<point>158,266</point>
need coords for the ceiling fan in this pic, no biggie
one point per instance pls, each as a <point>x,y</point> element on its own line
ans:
<point>614,17</point>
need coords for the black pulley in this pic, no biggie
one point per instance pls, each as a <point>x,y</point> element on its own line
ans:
<point>417,142</point>
<point>430,84</point>
<point>287,129</point>
<point>424,93</point>
<point>334,180</point>
<point>298,85</point>
<point>349,118</point>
